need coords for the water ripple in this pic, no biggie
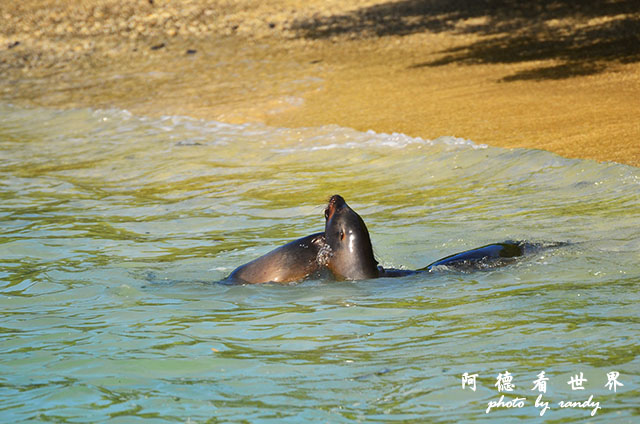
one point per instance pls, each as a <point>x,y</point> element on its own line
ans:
<point>114,230</point>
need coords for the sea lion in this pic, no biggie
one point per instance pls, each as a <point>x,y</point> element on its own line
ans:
<point>351,253</point>
<point>294,261</point>
<point>344,248</point>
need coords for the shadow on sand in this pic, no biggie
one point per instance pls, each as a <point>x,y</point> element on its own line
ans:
<point>583,37</point>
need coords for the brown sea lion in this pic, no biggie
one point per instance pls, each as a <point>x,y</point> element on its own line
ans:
<point>345,249</point>
<point>294,261</point>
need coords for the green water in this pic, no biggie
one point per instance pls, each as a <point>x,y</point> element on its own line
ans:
<point>114,230</point>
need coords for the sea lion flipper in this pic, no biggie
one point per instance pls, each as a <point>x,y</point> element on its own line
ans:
<point>488,256</point>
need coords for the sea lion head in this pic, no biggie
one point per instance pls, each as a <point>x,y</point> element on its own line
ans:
<point>347,237</point>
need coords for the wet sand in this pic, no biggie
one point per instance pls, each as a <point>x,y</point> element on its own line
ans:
<point>560,76</point>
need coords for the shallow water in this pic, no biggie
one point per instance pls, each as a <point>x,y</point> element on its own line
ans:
<point>114,230</point>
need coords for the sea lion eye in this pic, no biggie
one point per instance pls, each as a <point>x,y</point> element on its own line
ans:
<point>341,235</point>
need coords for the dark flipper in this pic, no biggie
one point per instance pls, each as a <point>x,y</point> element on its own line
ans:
<point>392,272</point>
<point>485,257</point>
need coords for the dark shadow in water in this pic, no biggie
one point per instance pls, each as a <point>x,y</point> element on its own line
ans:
<point>585,36</point>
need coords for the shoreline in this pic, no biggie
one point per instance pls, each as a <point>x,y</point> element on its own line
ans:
<point>381,66</point>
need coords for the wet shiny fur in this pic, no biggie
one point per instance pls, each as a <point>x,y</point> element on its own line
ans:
<point>345,249</point>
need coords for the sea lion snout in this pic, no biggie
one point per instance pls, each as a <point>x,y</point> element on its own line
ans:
<point>335,203</point>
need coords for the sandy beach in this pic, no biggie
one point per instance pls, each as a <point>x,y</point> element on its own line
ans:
<point>560,76</point>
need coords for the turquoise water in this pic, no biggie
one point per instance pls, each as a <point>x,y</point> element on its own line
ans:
<point>114,230</point>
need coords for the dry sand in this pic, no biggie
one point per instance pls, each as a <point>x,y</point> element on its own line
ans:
<point>557,75</point>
